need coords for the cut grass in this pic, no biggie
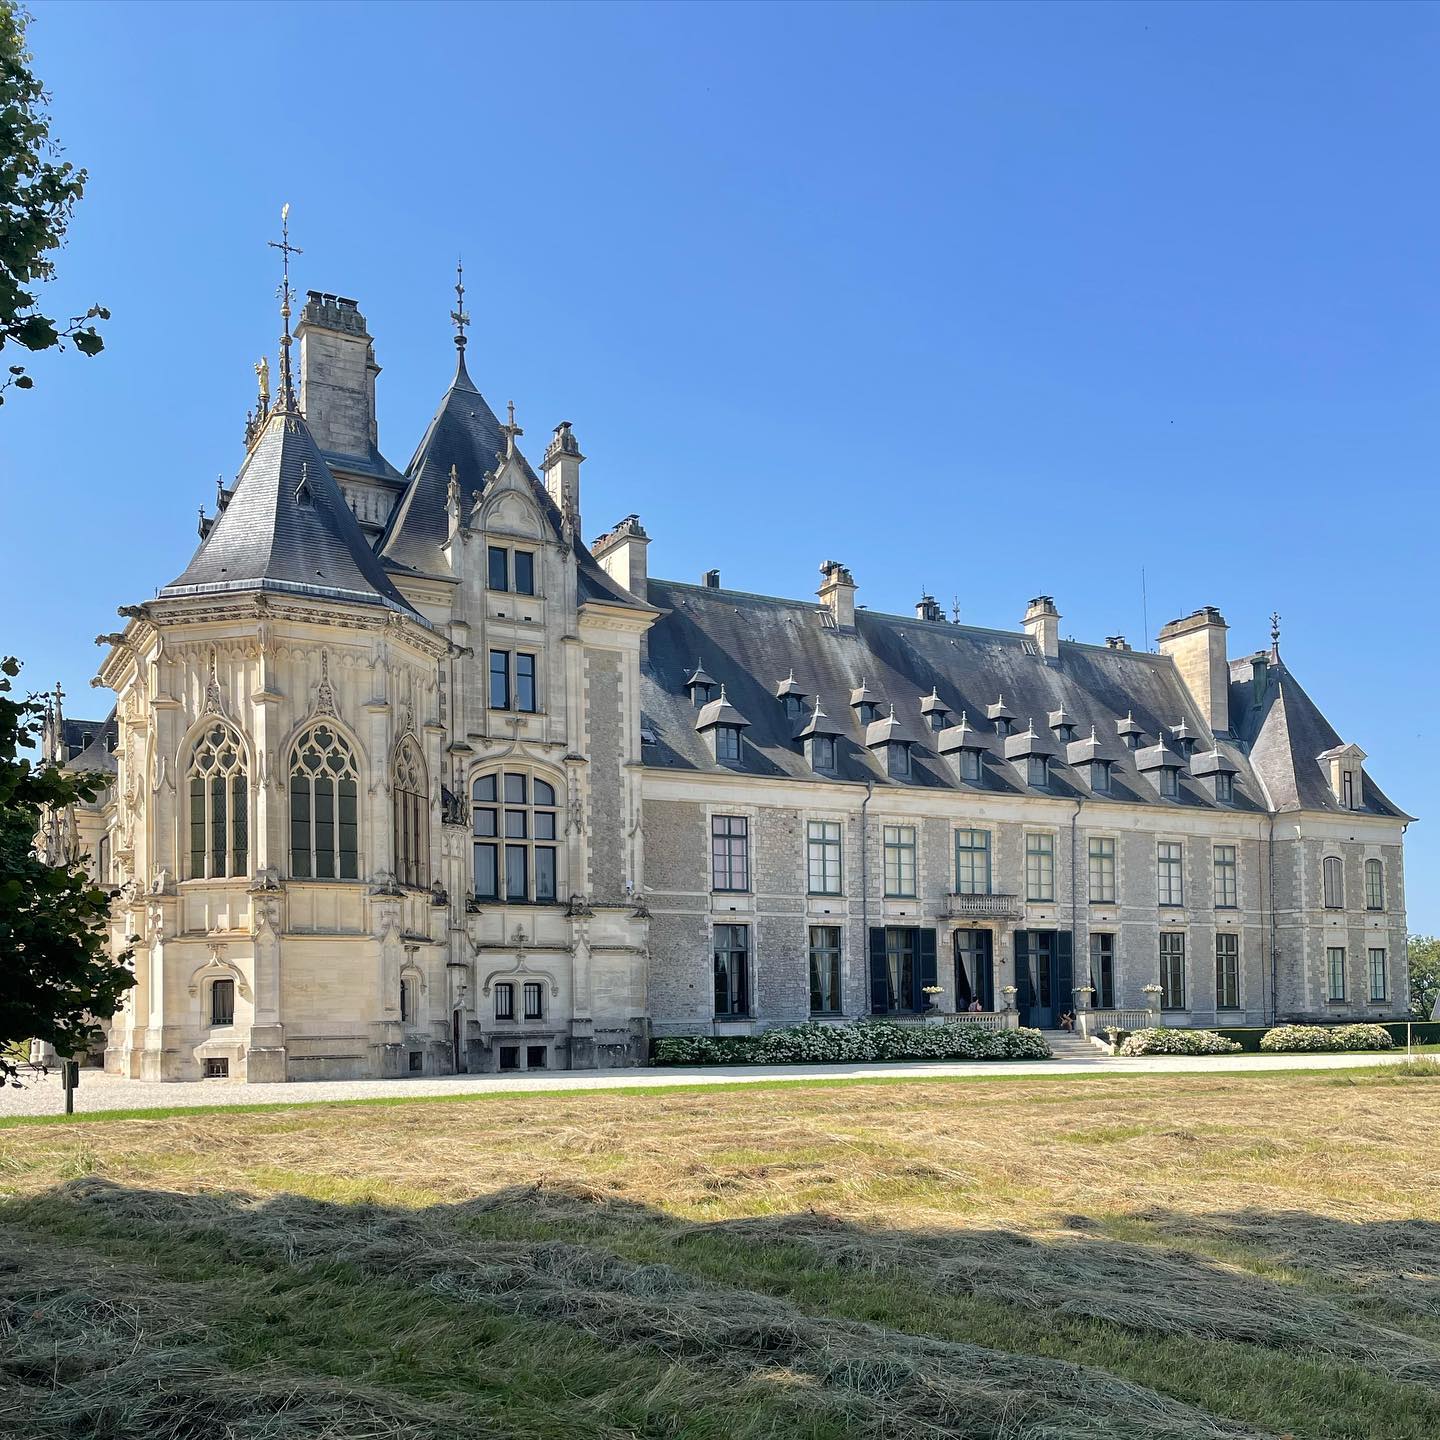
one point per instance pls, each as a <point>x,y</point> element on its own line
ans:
<point>1163,1256</point>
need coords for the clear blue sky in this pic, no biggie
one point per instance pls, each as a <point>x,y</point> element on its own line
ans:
<point>998,300</point>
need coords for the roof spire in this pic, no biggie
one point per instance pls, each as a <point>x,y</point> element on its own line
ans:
<point>1275,634</point>
<point>510,430</point>
<point>458,314</point>
<point>286,249</point>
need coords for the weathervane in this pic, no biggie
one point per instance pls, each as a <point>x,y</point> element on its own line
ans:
<point>458,314</point>
<point>286,249</point>
<point>1274,627</point>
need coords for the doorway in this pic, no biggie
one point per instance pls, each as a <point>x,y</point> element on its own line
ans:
<point>974,969</point>
<point>1044,967</point>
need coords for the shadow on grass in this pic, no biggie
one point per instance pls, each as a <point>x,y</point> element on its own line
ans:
<point>203,1311</point>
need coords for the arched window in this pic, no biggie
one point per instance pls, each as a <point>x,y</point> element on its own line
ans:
<point>516,829</point>
<point>324,807</point>
<point>412,818</point>
<point>1334,878</point>
<point>219,806</point>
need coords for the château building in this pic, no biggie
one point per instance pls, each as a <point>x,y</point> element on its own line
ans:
<point>402,776</point>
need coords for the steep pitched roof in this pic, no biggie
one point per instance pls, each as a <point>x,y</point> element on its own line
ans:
<point>464,433</point>
<point>749,639</point>
<point>287,527</point>
<point>1286,735</point>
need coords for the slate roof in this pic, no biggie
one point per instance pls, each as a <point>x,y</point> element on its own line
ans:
<point>1286,734</point>
<point>465,433</point>
<point>277,534</point>
<point>749,639</point>
<point>99,754</point>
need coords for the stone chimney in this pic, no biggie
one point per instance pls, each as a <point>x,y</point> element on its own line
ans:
<point>562,472</point>
<point>1042,625</point>
<point>711,579</point>
<point>1116,642</point>
<point>1196,643</point>
<point>927,608</point>
<point>837,594</point>
<point>337,375</point>
<point>621,553</point>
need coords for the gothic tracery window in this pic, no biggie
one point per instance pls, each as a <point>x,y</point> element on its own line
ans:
<point>412,822</point>
<point>324,807</point>
<point>219,805</point>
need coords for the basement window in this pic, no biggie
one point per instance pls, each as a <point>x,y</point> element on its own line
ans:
<point>417,1061</point>
<point>217,1069</point>
<point>509,1057</point>
<point>536,1057</point>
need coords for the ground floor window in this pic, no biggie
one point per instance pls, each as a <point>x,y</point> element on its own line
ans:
<point>534,1000</point>
<point>1335,976</point>
<point>505,1001</point>
<point>902,964</point>
<point>1102,970</point>
<point>1379,989</point>
<point>825,970</point>
<point>1227,972</point>
<point>222,1002</point>
<point>1172,971</point>
<point>732,970</point>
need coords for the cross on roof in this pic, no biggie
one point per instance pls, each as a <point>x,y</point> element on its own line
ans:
<point>510,429</point>
<point>286,249</point>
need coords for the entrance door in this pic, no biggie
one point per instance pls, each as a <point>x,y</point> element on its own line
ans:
<point>1043,976</point>
<point>974,969</point>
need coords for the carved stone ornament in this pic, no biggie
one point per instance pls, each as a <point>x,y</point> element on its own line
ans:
<point>213,703</point>
<point>325,692</point>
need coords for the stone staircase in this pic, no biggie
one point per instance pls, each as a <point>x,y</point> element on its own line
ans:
<point>1071,1047</point>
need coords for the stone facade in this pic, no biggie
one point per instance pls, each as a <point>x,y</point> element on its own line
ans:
<point>506,858</point>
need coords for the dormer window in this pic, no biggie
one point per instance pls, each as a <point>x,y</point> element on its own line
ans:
<point>1347,789</point>
<point>1225,788</point>
<point>867,712</point>
<point>935,711</point>
<point>898,761</point>
<point>791,698</point>
<point>727,742</point>
<point>700,685</point>
<point>722,723</point>
<point>794,707</point>
<point>1000,717</point>
<point>822,753</point>
<point>970,766</point>
<point>1004,726</point>
<point>1168,782</point>
<point>865,703</point>
<point>1062,726</point>
<point>1129,732</point>
<point>819,738</point>
<point>1100,776</point>
<point>1037,771</point>
<point>1031,753</point>
<point>1185,742</point>
<point>1347,779</point>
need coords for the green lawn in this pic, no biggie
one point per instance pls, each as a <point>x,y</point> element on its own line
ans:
<point>1160,1256</point>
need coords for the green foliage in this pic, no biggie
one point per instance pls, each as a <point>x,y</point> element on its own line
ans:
<point>1167,1040</point>
<point>865,1040</point>
<point>37,198</point>
<point>1294,1039</point>
<point>1423,952</point>
<point>56,971</point>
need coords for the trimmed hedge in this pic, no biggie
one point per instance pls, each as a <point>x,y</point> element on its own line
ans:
<point>1164,1040</point>
<point>1294,1039</point>
<point>864,1040</point>
<point>1422,1032</point>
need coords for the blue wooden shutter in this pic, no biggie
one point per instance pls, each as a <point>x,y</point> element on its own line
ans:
<point>1064,972</point>
<point>927,968</point>
<point>1022,971</point>
<point>879,976</point>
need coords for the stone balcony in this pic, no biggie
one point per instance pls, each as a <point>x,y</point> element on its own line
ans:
<point>982,907</point>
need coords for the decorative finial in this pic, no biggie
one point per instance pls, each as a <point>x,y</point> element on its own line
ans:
<point>510,430</point>
<point>286,249</point>
<point>1274,627</point>
<point>458,314</point>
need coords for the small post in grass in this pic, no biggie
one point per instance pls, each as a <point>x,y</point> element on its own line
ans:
<point>69,1080</point>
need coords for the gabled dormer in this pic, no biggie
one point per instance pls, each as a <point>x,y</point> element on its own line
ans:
<point>963,745</point>
<point>821,738</point>
<point>1343,768</point>
<point>791,698</point>
<point>723,726</point>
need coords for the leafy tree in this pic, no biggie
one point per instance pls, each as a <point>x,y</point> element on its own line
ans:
<point>1424,955</point>
<point>38,192</point>
<point>56,972</point>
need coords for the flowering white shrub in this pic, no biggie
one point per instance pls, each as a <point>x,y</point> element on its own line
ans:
<point>1293,1039</point>
<point>864,1040</point>
<point>1164,1040</point>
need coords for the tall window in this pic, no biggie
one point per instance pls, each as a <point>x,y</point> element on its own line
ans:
<point>506,565</point>
<point>1172,971</point>
<point>1374,885</point>
<point>1169,783</point>
<point>412,815</point>
<point>102,862</point>
<point>1227,887</point>
<point>505,1001</point>
<point>970,765</point>
<point>324,807</point>
<point>1037,771</point>
<point>1347,789</point>
<point>499,568</point>
<point>219,806</point>
<point>1332,875</point>
<point>1039,867</point>
<point>1335,972</point>
<point>822,752</point>
<point>823,849</point>
<point>825,970</point>
<point>407,1002</point>
<point>499,679</point>
<point>524,572</point>
<point>1227,972</point>
<point>727,742</point>
<point>900,861</point>
<point>972,862</point>
<point>732,970</point>
<point>516,824</point>
<point>1102,870</point>
<point>1170,872</point>
<point>534,1000</point>
<point>525,693</point>
<point>1102,970</point>
<point>1225,787</point>
<point>1379,988</point>
<point>222,1002</point>
<point>900,968</point>
<point>729,852</point>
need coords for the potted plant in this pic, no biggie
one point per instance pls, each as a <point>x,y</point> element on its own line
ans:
<point>932,994</point>
<point>1152,994</point>
<point>1009,992</point>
